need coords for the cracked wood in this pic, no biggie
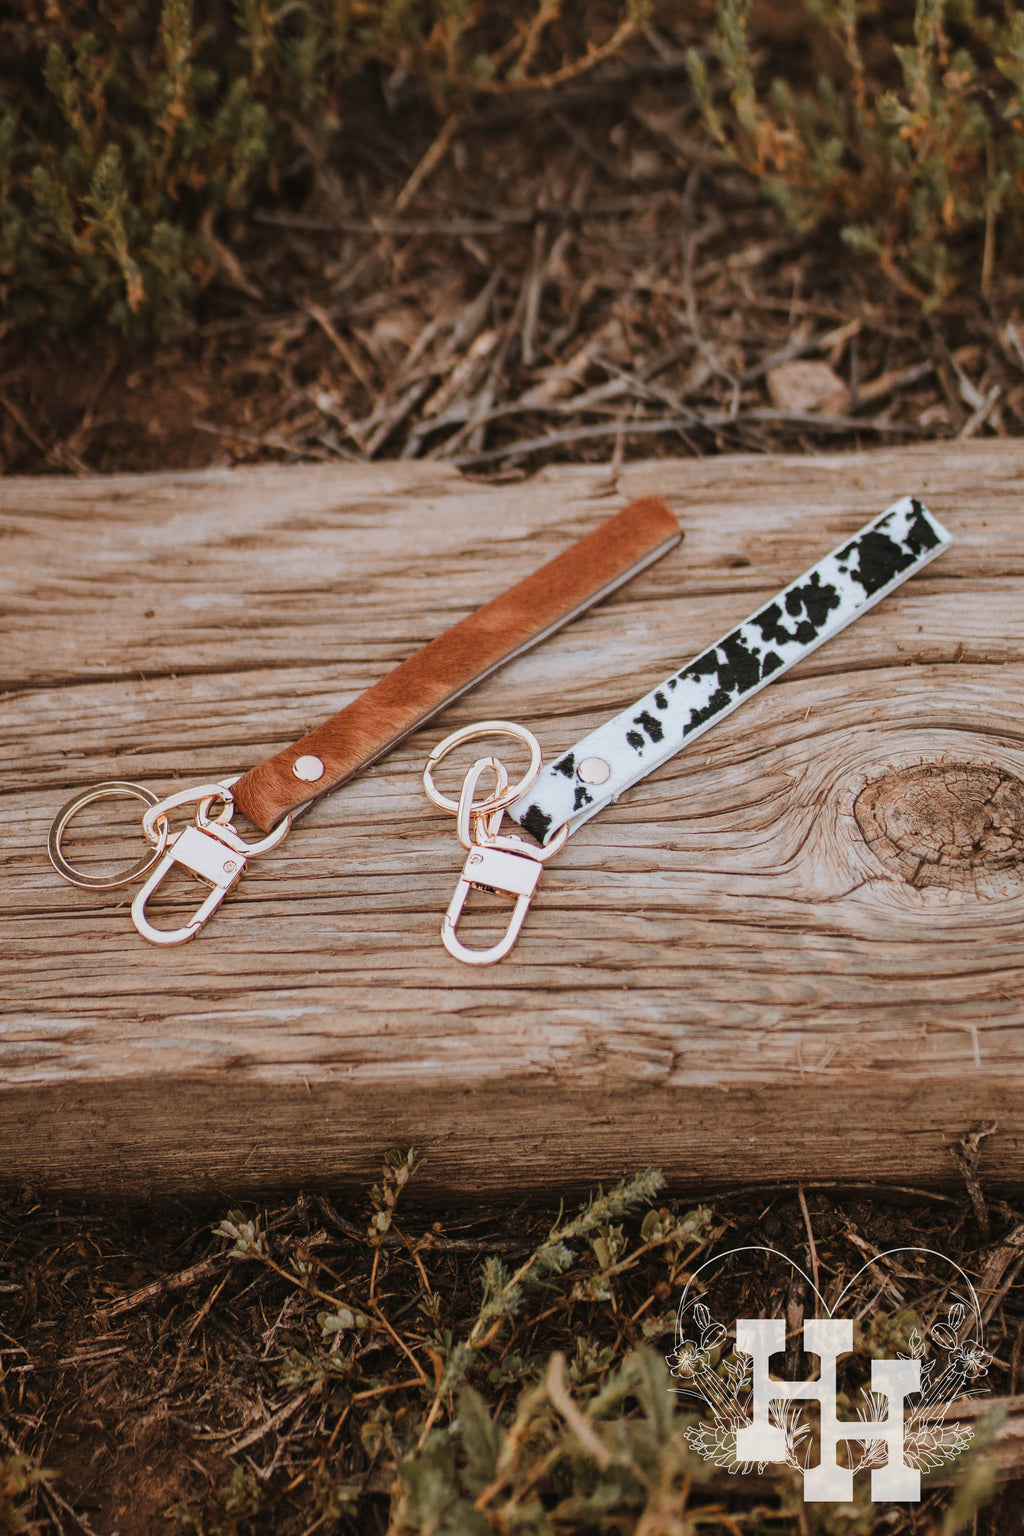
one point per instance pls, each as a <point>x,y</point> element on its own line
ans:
<point>792,952</point>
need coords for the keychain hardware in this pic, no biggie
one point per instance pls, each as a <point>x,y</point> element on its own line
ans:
<point>505,866</point>
<point>505,874</point>
<point>638,740</point>
<point>210,849</point>
<point>474,733</point>
<point>211,858</point>
<point>110,789</point>
<point>206,794</point>
<point>402,701</point>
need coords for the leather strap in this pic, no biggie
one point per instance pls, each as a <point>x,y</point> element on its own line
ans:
<point>418,689</point>
<point>805,614</point>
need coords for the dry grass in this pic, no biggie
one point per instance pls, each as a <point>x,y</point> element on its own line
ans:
<point>563,275</point>
<point>305,1367</point>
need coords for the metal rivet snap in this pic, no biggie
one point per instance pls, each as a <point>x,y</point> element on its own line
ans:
<point>309,769</point>
<point>593,770</point>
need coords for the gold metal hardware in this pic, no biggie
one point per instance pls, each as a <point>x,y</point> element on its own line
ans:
<point>507,874</point>
<point>214,857</point>
<point>309,768</point>
<point>506,866</point>
<point>473,733</point>
<point>111,789</point>
<point>210,849</point>
<point>594,770</point>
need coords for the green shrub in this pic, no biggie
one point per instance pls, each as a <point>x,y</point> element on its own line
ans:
<point>908,158</point>
<point>134,137</point>
<point>113,142</point>
<point>128,133</point>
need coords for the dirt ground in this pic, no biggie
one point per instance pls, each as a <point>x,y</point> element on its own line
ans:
<point>561,276</point>
<point>565,277</point>
<point>169,1383</point>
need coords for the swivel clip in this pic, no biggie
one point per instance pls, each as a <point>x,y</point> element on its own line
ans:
<point>507,874</point>
<point>211,850</point>
<point>216,857</point>
<point>505,866</point>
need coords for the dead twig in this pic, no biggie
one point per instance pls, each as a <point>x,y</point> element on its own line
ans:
<point>981,415</point>
<point>166,1285</point>
<point>812,1246</point>
<point>558,1392</point>
<point>429,163</point>
<point>1002,1267</point>
<point>967,1154</point>
<point>344,349</point>
<point>274,1421</point>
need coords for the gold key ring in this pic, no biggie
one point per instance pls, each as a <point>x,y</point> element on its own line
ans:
<point>503,798</point>
<point>111,789</point>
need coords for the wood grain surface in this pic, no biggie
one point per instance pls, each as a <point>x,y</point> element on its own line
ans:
<point>795,952</point>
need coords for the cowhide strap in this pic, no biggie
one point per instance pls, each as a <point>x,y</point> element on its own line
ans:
<point>807,613</point>
<point>415,691</point>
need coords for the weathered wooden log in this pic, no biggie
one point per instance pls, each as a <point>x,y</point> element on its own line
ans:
<point>794,952</point>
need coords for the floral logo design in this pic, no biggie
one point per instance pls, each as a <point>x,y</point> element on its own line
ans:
<point>900,1430</point>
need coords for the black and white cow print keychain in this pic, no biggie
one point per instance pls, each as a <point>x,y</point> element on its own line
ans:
<point>552,803</point>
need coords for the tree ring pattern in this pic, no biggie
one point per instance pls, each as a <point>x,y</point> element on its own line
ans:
<point>954,825</point>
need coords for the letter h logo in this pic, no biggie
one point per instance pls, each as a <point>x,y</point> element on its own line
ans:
<point>828,1338</point>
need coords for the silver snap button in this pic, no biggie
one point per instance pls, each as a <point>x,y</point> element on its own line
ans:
<point>593,770</point>
<point>309,769</point>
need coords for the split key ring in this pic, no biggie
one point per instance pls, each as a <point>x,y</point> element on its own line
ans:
<point>110,789</point>
<point>503,796</point>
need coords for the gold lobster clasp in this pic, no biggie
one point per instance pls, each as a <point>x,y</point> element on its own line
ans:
<point>211,850</point>
<point>505,866</point>
<point>210,856</point>
<point>507,874</point>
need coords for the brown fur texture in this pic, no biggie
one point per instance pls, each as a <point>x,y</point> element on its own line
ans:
<point>418,689</point>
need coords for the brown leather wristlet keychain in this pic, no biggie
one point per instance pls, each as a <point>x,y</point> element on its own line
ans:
<point>274,792</point>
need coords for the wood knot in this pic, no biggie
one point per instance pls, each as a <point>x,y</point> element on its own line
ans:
<point>957,825</point>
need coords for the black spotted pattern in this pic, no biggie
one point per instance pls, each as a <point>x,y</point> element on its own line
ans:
<point>812,609</point>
